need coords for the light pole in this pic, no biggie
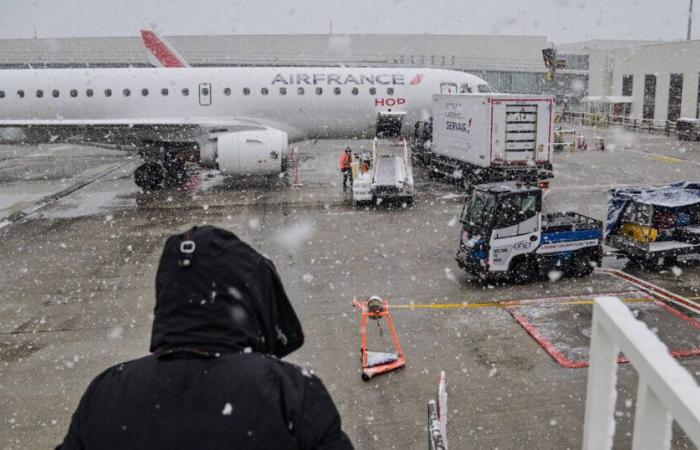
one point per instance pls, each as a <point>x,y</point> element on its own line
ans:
<point>690,19</point>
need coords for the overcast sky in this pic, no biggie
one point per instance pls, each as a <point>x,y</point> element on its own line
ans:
<point>559,20</point>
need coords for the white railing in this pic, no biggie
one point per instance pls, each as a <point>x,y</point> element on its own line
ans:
<point>666,390</point>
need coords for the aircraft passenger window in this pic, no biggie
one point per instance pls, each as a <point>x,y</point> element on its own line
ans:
<point>2,94</point>
<point>39,93</point>
<point>108,92</point>
<point>246,91</point>
<point>73,92</point>
<point>55,93</point>
<point>264,91</point>
<point>164,92</point>
<point>336,90</point>
<point>227,91</point>
<point>126,92</point>
<point>283,91</point>
<point>144,92</point>
<point>372,91</point>
<point>300,90</point>
<point>319,90</point>
<point>355,91</point>
<point>185,92</point>
<point>205,91</point>
<point>20,93</point>
<point>389,91</point>
<point>89,92</point>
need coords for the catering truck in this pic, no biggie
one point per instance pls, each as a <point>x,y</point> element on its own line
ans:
<point>480,138</point>
<point>505,235</point>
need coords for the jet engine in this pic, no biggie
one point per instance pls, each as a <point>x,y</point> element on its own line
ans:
<point>250,152</point>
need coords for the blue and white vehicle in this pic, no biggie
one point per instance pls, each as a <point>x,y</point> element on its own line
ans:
<point>506,235</point>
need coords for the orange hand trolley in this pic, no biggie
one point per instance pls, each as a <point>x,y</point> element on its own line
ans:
<point>375,363</point>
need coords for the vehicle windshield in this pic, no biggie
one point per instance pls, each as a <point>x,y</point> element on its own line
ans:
<point>479,210</point>
<point>484,88</point>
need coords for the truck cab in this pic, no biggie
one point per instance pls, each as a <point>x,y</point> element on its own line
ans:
<point>505,234</point>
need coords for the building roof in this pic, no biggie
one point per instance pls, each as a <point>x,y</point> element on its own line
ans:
<point>471,52</point>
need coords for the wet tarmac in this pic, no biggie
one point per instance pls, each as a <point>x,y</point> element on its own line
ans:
<point>77,291</point>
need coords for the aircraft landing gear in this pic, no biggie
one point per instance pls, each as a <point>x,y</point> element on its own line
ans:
<point>149,176</point>
<point>170,172</point>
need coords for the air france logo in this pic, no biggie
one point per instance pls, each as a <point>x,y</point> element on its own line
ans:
<point>345,79</point>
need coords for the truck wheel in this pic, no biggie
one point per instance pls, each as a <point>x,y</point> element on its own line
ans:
<point>580,266</point>
<point>522,270</point>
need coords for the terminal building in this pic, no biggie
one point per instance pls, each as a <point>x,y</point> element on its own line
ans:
<point>509,63</point>
<point>647,81</point>
<point>634,79</point>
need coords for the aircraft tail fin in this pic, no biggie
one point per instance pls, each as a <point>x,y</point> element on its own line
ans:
<point>160,52</point>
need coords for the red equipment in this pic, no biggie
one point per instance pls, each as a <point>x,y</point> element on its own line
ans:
<point>375,363</point>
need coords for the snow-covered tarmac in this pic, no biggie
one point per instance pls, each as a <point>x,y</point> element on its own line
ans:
<point>77,282</point>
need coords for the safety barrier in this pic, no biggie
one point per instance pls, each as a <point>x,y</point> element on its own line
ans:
<point>666,391</point>
<point>666,127</point>
<point>437,418</point>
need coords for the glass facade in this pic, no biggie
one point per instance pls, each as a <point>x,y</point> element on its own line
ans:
<point>649,96</point>
<point>675,95</point>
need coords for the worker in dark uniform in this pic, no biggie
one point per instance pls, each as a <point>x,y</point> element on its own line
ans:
<point>346,166</point>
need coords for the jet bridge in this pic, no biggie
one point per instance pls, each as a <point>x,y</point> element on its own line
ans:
<point>385,174</point>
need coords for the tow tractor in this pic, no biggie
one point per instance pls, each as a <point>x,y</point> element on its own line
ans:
<point>385,174</point>
<point>506,235</point>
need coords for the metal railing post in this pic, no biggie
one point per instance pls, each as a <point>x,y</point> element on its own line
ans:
<point>652,422</point>
<point>598,428</point>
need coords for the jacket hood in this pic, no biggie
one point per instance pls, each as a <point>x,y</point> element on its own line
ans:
<point>223,296</point>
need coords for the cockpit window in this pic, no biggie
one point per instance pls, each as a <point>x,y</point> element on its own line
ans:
<point>448,88</point>
<point>484,88</point>
<point>465,89</point>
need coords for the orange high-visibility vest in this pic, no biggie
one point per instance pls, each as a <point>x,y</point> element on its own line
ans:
<point>345,161</point>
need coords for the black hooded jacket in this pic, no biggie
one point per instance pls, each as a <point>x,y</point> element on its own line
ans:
<point>213,380</point>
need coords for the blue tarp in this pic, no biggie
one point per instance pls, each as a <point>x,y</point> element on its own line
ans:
<point>671,196</point>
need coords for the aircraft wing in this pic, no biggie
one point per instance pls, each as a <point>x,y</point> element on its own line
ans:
<point>133,131</point>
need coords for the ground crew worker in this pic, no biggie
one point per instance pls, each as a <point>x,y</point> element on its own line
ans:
<point>346,166</point>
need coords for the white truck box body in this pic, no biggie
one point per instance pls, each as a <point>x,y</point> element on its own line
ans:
<point>493,129</point>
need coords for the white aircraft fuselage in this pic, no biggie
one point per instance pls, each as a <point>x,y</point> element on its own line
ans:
<point>200,104</point>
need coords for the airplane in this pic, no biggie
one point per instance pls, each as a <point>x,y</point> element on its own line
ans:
<point>240,120</point>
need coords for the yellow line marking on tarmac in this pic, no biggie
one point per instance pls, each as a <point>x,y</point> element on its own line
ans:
<point>668,159</point>
<point>507,303</point>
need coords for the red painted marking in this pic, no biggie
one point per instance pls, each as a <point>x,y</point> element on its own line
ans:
<point>679,314</point>
<point>545,343</point>
<point>160,50</point>
<point>567,363</point>
<point>417,79</point>
<point>653,289</point>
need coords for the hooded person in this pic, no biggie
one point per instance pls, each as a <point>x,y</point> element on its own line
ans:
<point>213,379</point>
